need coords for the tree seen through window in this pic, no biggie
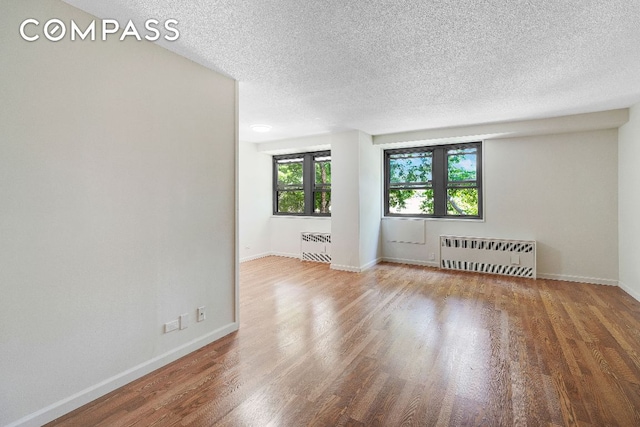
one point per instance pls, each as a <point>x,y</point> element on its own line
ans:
<point>435,181</point>
<point>302,184</point>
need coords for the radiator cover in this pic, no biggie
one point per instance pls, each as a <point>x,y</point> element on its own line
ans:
<point>487,255</point>
<point>316,247</point>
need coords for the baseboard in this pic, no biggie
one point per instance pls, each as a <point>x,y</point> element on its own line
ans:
<point>266,254</point>
<point>252,257</point>
<point>348,268</point>
<point>581,279</point>
<point>370,264</point>
<point>635,294</point>
<point>285,254</point>
<point>87,395</point>
<point>333,266</point>
<point>564,277</point>
<point>352,269</point>
<point>411,262</point>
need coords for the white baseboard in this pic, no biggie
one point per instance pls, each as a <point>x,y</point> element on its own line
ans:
<point>352,269</point>
<point>635,294</point>
<point>564,277</point>
<point>285,254</point>
<point>348,268</point>
<point>370,264</point>
<point>411,262</point>
<point>333,266</point>
<point>89,394</point>
<point>252,257</point>
<point>266,254</point>
<point>581,279</point>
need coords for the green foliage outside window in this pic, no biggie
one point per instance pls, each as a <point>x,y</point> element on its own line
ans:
<point>462,173</point>
<point>411,186</point>
<point>294,181</point>
<point>290,173</point>
<point>462,201</point>
<point>290,182</point>
<point>322,199</point>
<point>291,201</point>
<point>411,170</point>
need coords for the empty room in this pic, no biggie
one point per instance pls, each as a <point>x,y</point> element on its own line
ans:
<point>284,213</point>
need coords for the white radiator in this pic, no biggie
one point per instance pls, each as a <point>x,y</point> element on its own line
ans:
<point>316,247</point>
<point>485,255</point>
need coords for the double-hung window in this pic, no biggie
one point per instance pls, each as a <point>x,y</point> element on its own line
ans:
<point>439,182</point>
<point>302,184</point>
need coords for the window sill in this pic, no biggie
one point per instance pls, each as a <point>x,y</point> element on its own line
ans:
<point>301,217</point>
<point>433,219</point>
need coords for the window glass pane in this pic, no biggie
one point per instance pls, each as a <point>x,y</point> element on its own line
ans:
<point>323,172</point>
<point>411,201</point>
<point>289,172</point>
<point>462,164</point>
<point>410,167</point>
<point>291,201</point>
<point>322,202</point>
<point>298,177</point>
<point>462,201</point>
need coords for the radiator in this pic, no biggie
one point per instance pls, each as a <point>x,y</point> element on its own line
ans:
<point>316,247</point>
<point>485,255</point>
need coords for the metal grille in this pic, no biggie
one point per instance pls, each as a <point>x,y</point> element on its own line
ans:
<point>310,256</point>
<point>486,255</point>
<point>316,237</point>
<point>316,247</point>
<point>490,245</point>
<point>479,267</point>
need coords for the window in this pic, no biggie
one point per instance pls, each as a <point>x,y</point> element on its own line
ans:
<point>438,182</point>
<point>302,184</point>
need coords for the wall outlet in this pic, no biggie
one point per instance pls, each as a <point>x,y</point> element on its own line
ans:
<point>171,326</point>
<point>432,256</point>
<point>184,321</point>
<point>202,314</point>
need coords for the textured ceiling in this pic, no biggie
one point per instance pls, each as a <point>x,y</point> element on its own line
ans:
<point>310,67</point>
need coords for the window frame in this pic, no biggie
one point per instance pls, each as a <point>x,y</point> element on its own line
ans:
<point>439,180</point>
<point>309,186</point>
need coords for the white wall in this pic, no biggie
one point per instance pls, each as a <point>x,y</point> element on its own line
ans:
<point>254,181</point>
<point>629,203</point>
<point>345,201</point>
<point>117,205</point>
<point>285,232</point>
<point>356,196</point>
<point>560,190</point>
<point>370,195</point>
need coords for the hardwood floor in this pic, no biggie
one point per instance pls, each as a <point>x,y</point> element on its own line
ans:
<point>398,345</point>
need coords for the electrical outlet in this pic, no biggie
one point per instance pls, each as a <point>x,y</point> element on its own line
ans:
<point>202,314</point>
<point>171,326</point>
<point>432,256</point>
<point>184,321</point>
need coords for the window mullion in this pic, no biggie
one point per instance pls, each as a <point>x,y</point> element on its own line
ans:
<point>439,182</point>
<point>479,180</point>
<point>274,178</point>
<point>387,183</point>
<point>308,182</point>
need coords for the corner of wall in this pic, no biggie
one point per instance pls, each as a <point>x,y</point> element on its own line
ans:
<point>629,203</point>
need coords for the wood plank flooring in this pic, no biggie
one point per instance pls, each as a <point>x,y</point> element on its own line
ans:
<point>398,345</point>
